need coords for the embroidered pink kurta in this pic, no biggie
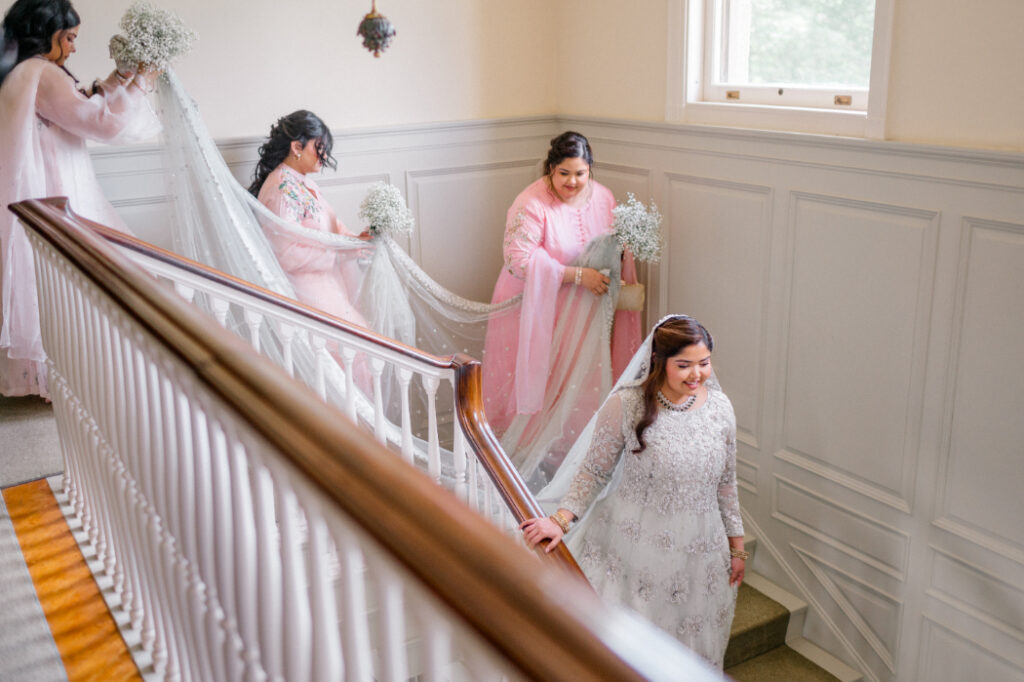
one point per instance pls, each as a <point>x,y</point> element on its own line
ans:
<point>314,270</point>
<point>44,124</point>
<point>542,236</point>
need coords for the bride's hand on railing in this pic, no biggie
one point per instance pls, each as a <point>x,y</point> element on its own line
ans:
<point>539,529</point>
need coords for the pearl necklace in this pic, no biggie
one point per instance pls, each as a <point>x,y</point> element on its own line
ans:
<point>681,407</point>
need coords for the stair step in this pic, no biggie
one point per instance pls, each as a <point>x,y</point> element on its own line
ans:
<point>781,664</point>
<point>759,626</point>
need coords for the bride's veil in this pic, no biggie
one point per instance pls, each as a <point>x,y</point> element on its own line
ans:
<point>218,223</point>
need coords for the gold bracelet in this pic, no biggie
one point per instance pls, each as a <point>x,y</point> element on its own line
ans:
<point>562,522</point>
<point>739,553</point>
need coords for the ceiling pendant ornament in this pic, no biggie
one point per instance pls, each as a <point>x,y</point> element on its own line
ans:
<point>377,31</point>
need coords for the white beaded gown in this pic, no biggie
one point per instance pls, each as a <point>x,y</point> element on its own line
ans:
<point>657,543</point>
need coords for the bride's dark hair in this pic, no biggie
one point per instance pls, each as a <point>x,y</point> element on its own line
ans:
<point>28,30</point>
<point>568,145</point>
<point>670,338</point>
<point>299,126</point>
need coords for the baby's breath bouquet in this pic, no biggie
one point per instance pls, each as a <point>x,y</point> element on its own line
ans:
<point>152,37</point>
<point>385,211</point>
<point>638,228</point>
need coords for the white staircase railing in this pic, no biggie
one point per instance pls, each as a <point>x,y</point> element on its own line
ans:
<point>253,533</point>
<point>440,427</point>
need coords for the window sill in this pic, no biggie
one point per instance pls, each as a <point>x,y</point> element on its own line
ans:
<point>765,117</point>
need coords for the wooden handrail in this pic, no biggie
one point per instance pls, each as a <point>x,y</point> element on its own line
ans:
<point>469,406</point>
<point>547,625</point>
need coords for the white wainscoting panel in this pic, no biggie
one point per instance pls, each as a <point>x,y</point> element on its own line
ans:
<point>980,486</point>
<point>465,207</point>
<point>859,302</point>
<point>716,264</point>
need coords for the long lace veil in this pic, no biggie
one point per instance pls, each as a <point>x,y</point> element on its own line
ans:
<point>217,222</point>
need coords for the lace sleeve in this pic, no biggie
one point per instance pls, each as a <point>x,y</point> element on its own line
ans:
<point>605,450</point>
<point>728,495</point>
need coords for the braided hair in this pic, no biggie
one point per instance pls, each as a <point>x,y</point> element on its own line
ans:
<point>299,126</point>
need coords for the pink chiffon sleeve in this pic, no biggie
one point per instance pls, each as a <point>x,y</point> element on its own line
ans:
<point>117,114</point>
<point>526,259</point>
<point>294,254</point>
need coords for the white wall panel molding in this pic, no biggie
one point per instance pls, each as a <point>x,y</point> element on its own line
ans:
<point>949,653</point>
<point>978,497</point>
<point>856,327</point>
<point>746,475</point>
<point>978,169</point>
<point>465,205</point>
<point>862,538</point>
<point>874,615</point>
<point>725,287</point>
<point>786,574</point>
<point>971,589</point>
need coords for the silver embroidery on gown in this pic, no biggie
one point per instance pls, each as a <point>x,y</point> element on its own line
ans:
<point>658,543</point>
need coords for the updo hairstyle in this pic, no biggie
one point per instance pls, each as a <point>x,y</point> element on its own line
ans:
<point>568,145</point>
<point>299,126</point>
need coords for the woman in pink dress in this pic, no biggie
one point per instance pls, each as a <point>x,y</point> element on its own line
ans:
<point>45,121</point>
<point>532,371</point>
<point>299,144</point>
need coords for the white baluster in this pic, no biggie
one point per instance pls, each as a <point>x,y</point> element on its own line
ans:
<point>322,357</point>
<point>379,423</point>
<point>185,291</point>
<point>327,658</point>
<point>404,378</point>
<point>287,333</point>
<point>430,384</point>
<point>220,309</point>
<point>269,562</point>
<point>297,628</point>
<point>348,356</point>
<point>391,625</point>
<point>458,449</point>
<point>254,323</point>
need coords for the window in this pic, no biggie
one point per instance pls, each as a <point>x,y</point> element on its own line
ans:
<point>813,65</point>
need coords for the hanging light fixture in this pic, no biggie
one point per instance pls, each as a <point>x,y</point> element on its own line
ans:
<point>377,31</point>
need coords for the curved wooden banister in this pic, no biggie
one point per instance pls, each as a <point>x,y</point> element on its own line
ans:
<point>487,448</point>
<point>470,406</point>
<point>547,625</point>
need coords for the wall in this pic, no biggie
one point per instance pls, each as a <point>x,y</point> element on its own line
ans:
<point>472,60</point>
<point>955,71</point>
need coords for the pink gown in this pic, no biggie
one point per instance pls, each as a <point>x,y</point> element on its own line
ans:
<point>315,271</point>
<point>44,124</point>
<point>543,235</point>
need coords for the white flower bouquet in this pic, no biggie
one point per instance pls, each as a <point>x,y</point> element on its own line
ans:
<point>152,37</point>
<point>638,228</point>
<point>385,210</point>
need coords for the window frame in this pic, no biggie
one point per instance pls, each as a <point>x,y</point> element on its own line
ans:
<point>687,99</point>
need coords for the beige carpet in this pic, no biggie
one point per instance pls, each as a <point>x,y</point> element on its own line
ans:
<point>29,447</point>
